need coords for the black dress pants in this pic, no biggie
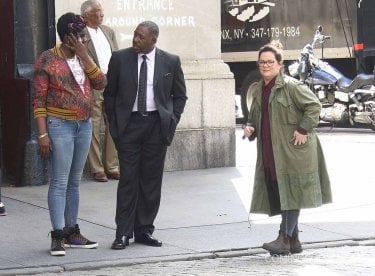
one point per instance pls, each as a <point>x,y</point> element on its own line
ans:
<point>141,155</point>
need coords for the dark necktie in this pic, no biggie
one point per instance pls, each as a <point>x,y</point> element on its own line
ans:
<point>142,86</point>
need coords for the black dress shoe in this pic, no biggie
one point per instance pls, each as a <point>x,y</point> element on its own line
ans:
<point>120,243</point>
<point>147,239</point>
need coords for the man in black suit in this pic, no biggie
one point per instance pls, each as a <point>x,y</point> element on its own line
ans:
<point>142,132</point>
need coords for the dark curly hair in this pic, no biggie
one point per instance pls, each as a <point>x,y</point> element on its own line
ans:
<point>70,23</point>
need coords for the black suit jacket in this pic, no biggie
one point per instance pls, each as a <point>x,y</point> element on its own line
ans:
<point>121,91</point>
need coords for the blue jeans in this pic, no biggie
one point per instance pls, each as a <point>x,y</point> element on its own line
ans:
<point>70,146</point>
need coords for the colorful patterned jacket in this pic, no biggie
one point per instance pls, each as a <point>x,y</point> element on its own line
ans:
<point>56,92</point>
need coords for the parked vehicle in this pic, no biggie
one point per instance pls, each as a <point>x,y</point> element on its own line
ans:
<point>246,25</point>
<point>345,101</point>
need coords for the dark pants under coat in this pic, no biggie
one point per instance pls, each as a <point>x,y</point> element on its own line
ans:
<point>141,156</point>
<point>289,218</point>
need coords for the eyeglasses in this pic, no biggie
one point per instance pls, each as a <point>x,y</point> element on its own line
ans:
<point>266,62</point>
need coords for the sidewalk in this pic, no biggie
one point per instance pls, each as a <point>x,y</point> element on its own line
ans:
<point>203,214</point>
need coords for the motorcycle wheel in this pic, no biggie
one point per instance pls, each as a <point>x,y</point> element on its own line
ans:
<point>373,114</point>
<point>252,76</point>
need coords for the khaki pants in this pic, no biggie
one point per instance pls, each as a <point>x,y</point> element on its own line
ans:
<point>104,160</point>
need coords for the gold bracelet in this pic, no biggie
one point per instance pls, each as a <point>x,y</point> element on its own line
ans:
<point>43,135</point>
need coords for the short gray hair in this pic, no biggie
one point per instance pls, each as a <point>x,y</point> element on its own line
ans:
<point>87,6</point>
<point>151,26</point>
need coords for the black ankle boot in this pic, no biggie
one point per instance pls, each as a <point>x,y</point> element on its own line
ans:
<point>57,243</point>
<point>74,238</point>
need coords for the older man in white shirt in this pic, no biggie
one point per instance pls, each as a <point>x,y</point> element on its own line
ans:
<point>103,162</point>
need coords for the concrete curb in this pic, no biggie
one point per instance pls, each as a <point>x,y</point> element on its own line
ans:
<point>240,252</point>
<point>31,270</point>
<point>129,262</point>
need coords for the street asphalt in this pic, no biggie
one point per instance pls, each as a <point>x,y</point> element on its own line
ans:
<point>203,214</point>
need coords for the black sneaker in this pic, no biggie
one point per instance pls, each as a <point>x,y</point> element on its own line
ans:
<point>74,239</point>
<point>2,209</point>
<point>57,243</point>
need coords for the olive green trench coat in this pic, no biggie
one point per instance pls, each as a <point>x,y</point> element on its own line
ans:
<point>301,171</point>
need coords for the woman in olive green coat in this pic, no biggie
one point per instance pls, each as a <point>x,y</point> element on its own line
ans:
<point>290,171</point>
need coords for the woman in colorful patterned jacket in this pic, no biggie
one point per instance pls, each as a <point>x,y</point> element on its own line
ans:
<point>63,79</point>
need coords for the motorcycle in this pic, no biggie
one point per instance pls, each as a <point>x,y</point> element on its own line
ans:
<point>344,101</point>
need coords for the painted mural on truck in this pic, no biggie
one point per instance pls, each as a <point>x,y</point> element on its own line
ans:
<point>246,25</point>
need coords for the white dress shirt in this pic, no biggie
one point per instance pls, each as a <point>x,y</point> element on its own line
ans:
<point>102,47</point>
<point>150,101</point>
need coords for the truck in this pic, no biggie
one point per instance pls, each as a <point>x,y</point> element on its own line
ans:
<point>246,25</point>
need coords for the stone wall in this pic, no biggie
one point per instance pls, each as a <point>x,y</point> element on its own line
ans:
<point>205,137</point>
